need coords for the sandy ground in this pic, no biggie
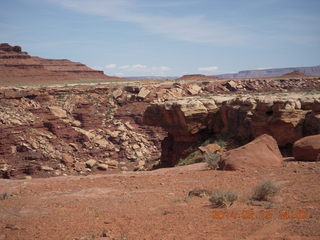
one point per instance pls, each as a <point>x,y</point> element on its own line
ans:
<point>155,205</point>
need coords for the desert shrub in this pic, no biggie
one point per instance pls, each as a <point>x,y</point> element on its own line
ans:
<point>212,160</point>
<point>220,142</point>
<point>199,192</point>
<point>221,199</point>
<point>194,157</point>
<point>207,142</point>
<point>4,196</point>
<point>264,190</point>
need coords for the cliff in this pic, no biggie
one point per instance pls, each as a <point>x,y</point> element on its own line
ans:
<point>273,72</point>
<point>19,67</point>
<point>190,121</point>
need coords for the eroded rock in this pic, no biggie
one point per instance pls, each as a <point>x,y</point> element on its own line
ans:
<point>263,152</point>
<point>307,148</point>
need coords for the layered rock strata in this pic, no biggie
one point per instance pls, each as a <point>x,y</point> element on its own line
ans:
<point>20,67</point>
<point>188,121</point>
<point>51,132</point>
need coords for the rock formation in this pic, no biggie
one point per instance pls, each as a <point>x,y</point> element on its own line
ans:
<point>51,132</point>
<point>307,148</point>
<point>287,118</point>
<point>263,152</point>
<point>196,77</point>
<point>272,72</point>
<point>19,67</point>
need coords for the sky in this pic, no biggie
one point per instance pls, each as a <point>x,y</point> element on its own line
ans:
<point>167,37</point>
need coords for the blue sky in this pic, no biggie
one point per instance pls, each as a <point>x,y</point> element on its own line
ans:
<point>167,37</point>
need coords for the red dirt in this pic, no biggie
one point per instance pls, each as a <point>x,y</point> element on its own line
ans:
<point>154,205</point>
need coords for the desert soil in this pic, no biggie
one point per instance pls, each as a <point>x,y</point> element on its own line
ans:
<point>155,205</point>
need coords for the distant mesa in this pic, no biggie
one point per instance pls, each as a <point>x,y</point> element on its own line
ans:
<point>274,72</point>
<point>19,67</point>
<point>7,48</point>
<point>197,77</point>
<point>160,78</point>
<point>295,74</point>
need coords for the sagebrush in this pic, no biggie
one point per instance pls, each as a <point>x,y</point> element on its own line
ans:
<point>221,199</point>
<point>212,160</point>
<point>264,191</point>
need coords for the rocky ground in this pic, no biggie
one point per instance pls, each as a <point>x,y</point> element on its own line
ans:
<point>83,129</point>
<point>74,159</point>
<point>155,205</point>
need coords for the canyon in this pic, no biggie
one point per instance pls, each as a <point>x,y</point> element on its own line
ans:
<point>52,131</point>
<point>88,156</point>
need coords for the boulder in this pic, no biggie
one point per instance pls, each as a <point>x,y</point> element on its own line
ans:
<point>90,163</point>
<point>232,85</point>
<point>103,167</point>
<point>117,93</point>
<point>144,92</point>
<point>58,112</point>
<point>210,148</point>
<point>263,152</point>
<point>193,89</point>
<point>67,159</point>
<point>307,148</point>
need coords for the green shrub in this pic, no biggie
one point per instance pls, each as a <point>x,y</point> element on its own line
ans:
<point>207,142</point>
<point>212,160</point>
<point>194,157</point>
<point>221,199</point>
<point>220,142</point>
<point>264,190</point>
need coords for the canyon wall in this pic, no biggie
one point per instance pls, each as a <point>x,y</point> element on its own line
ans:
<point>46,131</point>
<point>62,131</point>
<point>190,121</point>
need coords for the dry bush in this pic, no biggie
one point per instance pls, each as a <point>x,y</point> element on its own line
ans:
<point>221,199</point>
<point>264,190</point>
<point>212,160</point>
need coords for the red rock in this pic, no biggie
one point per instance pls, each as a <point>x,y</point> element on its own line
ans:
<point>20,67</point>
<point>197,77</point>
<point>210,148</point>
<point>263,152</point>
<point>307,148</point>
<point>294,74</point>
<point>67,159</point>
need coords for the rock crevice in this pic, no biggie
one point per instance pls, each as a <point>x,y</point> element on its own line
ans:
<point>286,117</point>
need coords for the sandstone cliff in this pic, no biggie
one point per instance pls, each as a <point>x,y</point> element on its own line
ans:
<point>19,67</point>
<point>188,121</point>
<point>48,131</point>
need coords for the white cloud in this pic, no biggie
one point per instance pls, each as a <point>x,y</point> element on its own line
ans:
<point>190,28</point>
<point>136,69</point>
<point>97,68</point>
<point>264,68</point>
<point>164,68</point>
<point>133,67</point>
<point>208,69</point>
<point>111,66</point>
